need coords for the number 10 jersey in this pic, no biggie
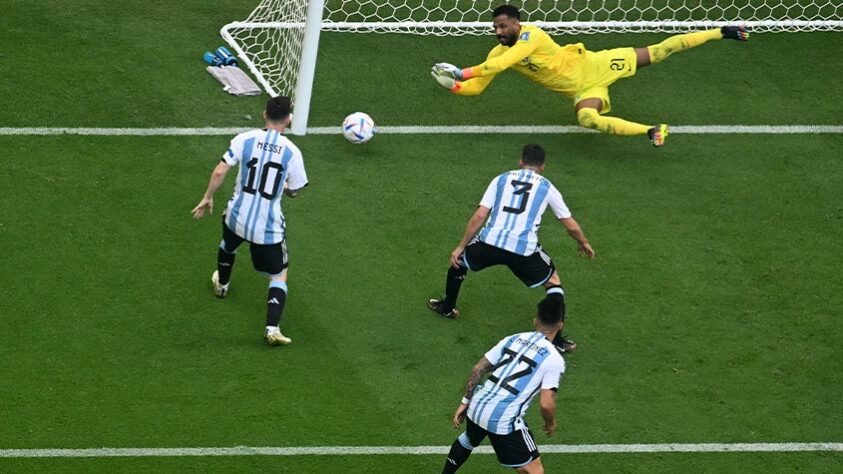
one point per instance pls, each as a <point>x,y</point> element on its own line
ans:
<point>269,163</point>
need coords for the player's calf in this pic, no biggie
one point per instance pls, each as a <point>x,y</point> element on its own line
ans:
<point>458,455</point>
<point>225,264</point>
<point>591,118</point>
<point>534,467</point>
<point>587,117</point>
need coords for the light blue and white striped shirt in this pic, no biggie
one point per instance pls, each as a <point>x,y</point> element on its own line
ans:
<point>517,200</point>
<point>269,163</point>
<point>523,365</point>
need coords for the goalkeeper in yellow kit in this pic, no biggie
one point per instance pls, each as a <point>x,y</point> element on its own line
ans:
<point>582,75</point>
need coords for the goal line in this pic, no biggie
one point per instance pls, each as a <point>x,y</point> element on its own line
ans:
<point>423,130</point>
<point>413,450</point>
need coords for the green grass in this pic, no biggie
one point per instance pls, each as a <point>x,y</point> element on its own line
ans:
<point>751,463</point>
<point>710,315</point>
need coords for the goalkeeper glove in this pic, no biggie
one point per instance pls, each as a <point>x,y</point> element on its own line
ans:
<point>444,81</point>
<point>448,70</point>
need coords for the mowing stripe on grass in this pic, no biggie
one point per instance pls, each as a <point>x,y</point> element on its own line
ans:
<point>410,450</point>
<point>424,130</point>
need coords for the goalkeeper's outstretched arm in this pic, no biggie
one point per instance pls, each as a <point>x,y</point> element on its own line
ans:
<point>500,60</point>
<point>473,80</point>
<point>470,87</point>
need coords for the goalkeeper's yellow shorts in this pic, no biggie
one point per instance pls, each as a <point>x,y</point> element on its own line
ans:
<point>602,69</point>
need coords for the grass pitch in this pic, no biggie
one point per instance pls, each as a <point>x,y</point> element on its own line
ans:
<point>710,315</point>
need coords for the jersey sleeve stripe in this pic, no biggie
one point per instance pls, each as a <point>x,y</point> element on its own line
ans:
<point>270,222</point>
<point>255,203</point>
<point>234,213</point>
<point>496,209</point>
<point>260,202</point>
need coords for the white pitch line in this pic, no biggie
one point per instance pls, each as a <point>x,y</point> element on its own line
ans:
<point>411,450</point>
<point>425,130</point>
<point>121,132</point>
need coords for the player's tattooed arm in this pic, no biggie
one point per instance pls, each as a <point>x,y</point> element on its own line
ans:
<point>481,368</point>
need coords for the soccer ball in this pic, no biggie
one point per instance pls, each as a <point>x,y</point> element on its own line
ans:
<point>358,128</point>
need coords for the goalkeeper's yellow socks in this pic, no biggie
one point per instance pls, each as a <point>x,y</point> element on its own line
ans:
<point>589,118</point>
<point>660,52</point>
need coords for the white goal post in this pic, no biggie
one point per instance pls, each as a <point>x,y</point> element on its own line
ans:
<point>278,42</point>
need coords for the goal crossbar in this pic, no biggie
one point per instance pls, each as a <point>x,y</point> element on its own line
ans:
<point>559,25</point>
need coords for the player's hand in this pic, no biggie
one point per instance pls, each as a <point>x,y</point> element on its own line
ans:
<point>586,250</point>
<point>206,204</point>
<point>550,427</point>
<point>444,81</point>
<point>459,415</point>
<point>456,256</point>
<point>447,70</point>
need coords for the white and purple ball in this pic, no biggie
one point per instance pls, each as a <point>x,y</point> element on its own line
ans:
<point>358,128</point>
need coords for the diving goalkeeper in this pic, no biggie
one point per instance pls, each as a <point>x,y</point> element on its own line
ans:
<point>582,75</point>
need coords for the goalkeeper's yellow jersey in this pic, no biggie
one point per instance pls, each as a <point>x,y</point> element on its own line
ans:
<point>535,55</point>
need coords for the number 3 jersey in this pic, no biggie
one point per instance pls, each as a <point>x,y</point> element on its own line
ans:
<point>269,163</point>
<point>517,200</point>
<point>522,365</point>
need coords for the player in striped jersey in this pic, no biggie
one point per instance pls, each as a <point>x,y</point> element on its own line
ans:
<point>572,70</point>
<point>520,367</point>
<point>271,166</point>
<point>513,203</point>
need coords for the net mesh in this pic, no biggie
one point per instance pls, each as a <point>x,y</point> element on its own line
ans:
<point>270,40</point>
<point>270,43</point>
<point>458,17</point>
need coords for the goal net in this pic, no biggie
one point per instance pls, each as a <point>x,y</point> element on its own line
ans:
<point>456,17</point>
<point>278,41</point>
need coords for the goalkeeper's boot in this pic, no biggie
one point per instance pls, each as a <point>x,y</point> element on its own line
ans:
<point>437,307</point>
<point>738,33</point>
<point>563,345</point>
<point>220,290</point>
<point>658,134</point>
<point>274,337</point>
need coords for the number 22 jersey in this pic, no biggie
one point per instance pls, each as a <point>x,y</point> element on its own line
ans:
<point>523,365</point>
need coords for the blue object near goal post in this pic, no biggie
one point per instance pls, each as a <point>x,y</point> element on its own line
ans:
<point>226,57</point>
<point>212,59</point>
